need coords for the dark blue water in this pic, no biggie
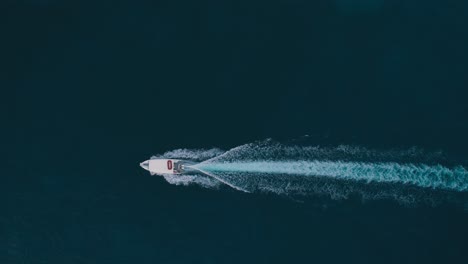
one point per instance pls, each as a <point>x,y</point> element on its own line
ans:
<point>92,89</point>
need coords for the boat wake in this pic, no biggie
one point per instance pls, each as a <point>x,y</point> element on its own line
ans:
<point>335,172</point>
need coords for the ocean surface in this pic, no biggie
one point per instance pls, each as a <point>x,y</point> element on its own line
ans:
<point>330,131</point>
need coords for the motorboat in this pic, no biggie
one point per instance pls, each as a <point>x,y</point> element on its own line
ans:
<point>166,166</point>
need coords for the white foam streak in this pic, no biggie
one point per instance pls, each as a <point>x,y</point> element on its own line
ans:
<point>337,172</point>
<point>416,174</point>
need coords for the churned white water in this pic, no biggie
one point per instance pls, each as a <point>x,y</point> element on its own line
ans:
<point>340,171</point>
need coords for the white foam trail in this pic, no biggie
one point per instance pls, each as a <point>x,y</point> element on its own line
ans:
<point>186,180</point>
<point>420,175</point>
<point>219,179</point>
<point>336,172</point>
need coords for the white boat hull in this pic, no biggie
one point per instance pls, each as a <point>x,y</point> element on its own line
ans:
<point>166,166</point>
